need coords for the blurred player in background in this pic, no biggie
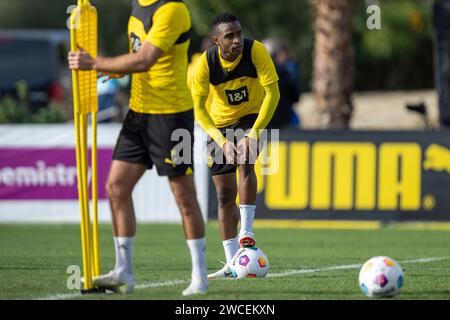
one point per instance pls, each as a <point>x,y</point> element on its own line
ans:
<point>159,34</point>
<point>289,84</point>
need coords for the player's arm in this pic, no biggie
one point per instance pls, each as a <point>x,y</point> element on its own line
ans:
<point>204,119</point>
<point>269,80</point>
<point>140,61</point>
<point>268,108</point>
<point>171,21</point>
<point>128,63</point>
<point>200,93</point>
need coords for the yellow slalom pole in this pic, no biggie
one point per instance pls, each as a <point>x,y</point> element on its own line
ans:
<point>85,197</point>
<point>91,39</point>
<point>76,101</point>
<point>93,31</point>
<point>95,195</point>
<point>83,222</point>
<point>84,33</point>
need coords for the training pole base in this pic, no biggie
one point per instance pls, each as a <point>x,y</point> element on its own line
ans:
<point>93,291</point>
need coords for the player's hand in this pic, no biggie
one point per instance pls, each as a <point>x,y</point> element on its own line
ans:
<point>230,152</point>
<point>247,151</point>
<point>81,60</point>
<point>109,75</point>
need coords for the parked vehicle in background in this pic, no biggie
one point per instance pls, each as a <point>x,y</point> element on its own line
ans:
<point>36,60</point>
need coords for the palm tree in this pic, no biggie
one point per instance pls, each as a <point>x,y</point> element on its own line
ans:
<point>333,62</point>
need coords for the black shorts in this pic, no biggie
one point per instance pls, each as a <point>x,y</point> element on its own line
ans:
<point>245,124</point>
<point>147,139</point>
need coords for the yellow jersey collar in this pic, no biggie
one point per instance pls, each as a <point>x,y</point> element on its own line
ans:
<point>229,65</point>
<point>146,3</point>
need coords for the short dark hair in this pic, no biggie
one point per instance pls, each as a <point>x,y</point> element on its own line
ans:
<point>224,17</point>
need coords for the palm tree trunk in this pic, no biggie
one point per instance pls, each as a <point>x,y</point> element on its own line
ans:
<point>333,62</point>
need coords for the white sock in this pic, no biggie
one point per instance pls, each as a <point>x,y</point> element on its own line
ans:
<point>124,255</point>
<point>247,217</point>
<point>230,246</point>
<point>197,248</point>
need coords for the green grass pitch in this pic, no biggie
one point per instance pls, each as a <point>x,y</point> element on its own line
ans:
<point>305,264</point>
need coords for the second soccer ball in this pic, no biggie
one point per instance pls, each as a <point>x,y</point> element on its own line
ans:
<point>250,262</point>
<point>381,277</point>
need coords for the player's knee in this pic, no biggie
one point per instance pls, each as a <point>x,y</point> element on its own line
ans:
<point>186,201</point>
<point>116,190</point>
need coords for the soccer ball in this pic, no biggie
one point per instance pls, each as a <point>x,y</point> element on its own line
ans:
<point>381,277</point>
<point>250,262</point>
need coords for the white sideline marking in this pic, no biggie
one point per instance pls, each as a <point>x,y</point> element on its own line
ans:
<point>144,285</point>
<point>170,283</point>
<point>349,266</point>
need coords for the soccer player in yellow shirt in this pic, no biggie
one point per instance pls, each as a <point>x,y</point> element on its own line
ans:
<point>243,82</point>
<point>159,35</point>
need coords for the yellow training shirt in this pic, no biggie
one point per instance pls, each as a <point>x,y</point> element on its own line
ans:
<point>239,97</point>
<point>163,88</point>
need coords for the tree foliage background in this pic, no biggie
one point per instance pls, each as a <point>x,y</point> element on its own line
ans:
<point>399,56</point>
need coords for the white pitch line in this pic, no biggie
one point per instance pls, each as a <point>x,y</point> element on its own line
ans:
<point>425,260</point>
<point>170,283</point>
<point>301,271</point>
<point>60,296</point>
<point>144,285</point>
<point>349,266</point>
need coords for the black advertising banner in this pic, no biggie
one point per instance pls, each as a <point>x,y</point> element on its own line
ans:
<point>355,175</point>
